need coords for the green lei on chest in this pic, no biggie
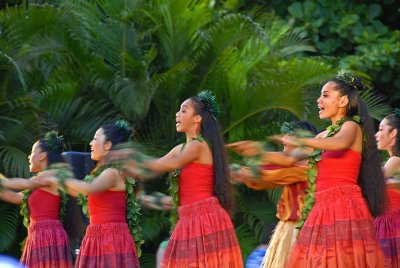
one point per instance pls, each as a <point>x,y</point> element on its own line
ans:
<point>63,172</point>
<point>132,205</point>
<point>174,186</point>
<point>312,173</point>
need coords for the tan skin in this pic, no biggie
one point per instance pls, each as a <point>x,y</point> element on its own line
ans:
<point>109,179</point>
<point>386,137</point>
<point>37,163</point>
<point>333,107</point>
<point>194,151</point>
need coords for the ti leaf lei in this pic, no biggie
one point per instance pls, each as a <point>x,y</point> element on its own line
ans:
<point>174,186</point>
<point>64,172</point>
<point>312,173</point>
<point>132,205</point>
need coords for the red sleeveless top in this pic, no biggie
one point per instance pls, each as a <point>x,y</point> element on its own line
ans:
<point>43,205</point>
<point>107,206</point>
<point>338,168</point>
<point>196,182</point>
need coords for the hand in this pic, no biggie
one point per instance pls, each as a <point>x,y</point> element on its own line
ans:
<point>246,148</point>
<point>118,155</point>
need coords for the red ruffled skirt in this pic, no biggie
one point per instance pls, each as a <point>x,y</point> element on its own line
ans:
<point>107,245</point>
<point>339,232</point>
<point>387,229</point>
<point>204,236</point>
<point>47,246</point>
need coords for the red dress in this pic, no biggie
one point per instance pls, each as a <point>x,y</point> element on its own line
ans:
<point>204,235</point>
<point>47,244</point>
<point>107,242</point>
<point>339,231</point>
<point>387,229</point>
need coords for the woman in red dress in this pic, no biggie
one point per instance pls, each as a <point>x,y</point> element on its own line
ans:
<point>387,226</point>
<point>47,244</point>
<point>108,241</point>
<point>204,235</point>
<point>348,181</point>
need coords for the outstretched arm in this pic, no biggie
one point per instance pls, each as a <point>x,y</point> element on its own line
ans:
<point>11,197</point>
<point>108,179</point>
<point>20,184</point>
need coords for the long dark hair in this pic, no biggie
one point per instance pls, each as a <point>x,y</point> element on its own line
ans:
<point>211,131</point>
<point>53,145</point>
<point>393,120</point>
<point>371,178</point>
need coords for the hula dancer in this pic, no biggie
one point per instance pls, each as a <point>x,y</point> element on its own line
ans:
<point>345,182</point>
<point>47,244</point>
<point>204,235</point>
<point>109,201</point>
<point>387,226</point>
<point>294,182</point>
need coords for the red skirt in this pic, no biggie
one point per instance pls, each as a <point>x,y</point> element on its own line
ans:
<point>107,245</point>
<point>47,246</point>
<point>387,229</point>
<point>204,236</point>
<point>339,232</point>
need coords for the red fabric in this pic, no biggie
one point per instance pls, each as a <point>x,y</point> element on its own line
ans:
<point>107,206</point>
<point>338,232</point>
<point>196,182</point>
<point>204,237</point>
<point>338,168</point>
<point>108,245</point>
<point>394,197</point>
<point>387,229</point>
<point>43,205</point>
<point>47,246</point>
<point>292,201</point>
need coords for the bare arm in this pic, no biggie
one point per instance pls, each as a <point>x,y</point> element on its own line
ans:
<point>20,184</point>
<point>11,197</point>
<point>349,137</point>
<point>108,179</point>
<point>392,167</point>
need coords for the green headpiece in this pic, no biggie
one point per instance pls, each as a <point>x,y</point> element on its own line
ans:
<point>397,111</point>
<point>349,78</point>
<point>124,127</point>
<point>53,142</point>
<point>210,101</point>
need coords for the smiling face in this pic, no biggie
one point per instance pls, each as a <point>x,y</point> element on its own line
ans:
<point>186,118</point>
<point>99,146</point>
<point>331,105</point>
<point>37,158</point>
<point>386,136</point>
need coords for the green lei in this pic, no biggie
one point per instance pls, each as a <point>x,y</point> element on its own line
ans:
<point>132,206</point>
<point>63,171</point>
<point>312,173</point>
<point>174,186</point>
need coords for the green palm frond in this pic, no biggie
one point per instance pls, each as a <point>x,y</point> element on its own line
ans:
<point>8,225</point>
<point>378,106</point>
<point>14,161</point>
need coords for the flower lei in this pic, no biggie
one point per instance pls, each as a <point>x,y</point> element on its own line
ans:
<point>132,205</point>
<point>63,171</point>
<point>174,186</point>
<point>312,173</point>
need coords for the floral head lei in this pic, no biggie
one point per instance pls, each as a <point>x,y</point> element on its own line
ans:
<point>210,103</point>
<point>312,173</point>
<point>132,205</point>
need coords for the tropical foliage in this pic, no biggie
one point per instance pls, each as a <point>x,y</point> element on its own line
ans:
<point>73,65</point>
